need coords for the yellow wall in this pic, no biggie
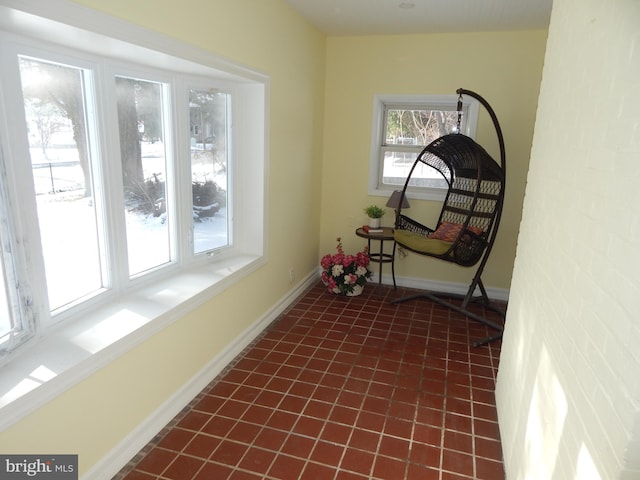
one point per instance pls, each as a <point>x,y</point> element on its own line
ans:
<point>94,416</point>
<point>505,68</point>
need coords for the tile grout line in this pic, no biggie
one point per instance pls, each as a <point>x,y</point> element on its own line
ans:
<point>323,332</point>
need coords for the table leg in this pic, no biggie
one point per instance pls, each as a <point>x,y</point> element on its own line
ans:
<point>393,265</point>
<point>380,262</point>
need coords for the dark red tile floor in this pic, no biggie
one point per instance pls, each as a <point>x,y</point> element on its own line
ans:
<point>345,389</point>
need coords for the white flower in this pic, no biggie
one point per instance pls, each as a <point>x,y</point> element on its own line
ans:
<point>361,271</point>
<point>337,270</point>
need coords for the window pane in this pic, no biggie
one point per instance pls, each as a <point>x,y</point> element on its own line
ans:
<point>144,172</point>
<point>54,102</point>
<point>397,165</point>
<point>414,127</point>
<point>209,160</point>
<point>418,127</point>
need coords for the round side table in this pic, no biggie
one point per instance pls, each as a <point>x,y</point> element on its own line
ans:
<point>380,257</point>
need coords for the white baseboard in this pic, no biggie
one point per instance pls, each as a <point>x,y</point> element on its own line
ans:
<point>500,294</point>
<point>117,458</point>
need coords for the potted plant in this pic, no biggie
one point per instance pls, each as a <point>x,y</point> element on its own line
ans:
<point>345,274</point>
<point>375,214</point>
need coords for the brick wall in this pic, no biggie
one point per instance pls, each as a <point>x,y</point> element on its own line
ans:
<point>568,390</point>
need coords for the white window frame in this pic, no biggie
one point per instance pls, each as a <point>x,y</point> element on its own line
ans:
<point>18,294</point>
<point>378,141</point>
<point>199,83</point>
<point>91,334</point>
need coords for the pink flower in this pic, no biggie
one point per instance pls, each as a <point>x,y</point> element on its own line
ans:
<point>362,259</point>
<point>326,261</point>
<point>350,278</point>
<point>348,260</point>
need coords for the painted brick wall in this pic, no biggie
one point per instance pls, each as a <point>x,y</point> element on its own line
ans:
<point>568,391</point>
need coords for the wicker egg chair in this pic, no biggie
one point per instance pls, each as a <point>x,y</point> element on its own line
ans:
<point>470,216</point>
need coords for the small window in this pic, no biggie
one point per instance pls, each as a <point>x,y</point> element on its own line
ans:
<point>402,127</point>
<point>209,119</point>
<point>144,172</point>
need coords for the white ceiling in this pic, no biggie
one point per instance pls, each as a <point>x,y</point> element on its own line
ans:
<point>385,17</point>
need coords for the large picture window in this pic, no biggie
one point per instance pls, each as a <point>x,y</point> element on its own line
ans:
<point>118,174</point>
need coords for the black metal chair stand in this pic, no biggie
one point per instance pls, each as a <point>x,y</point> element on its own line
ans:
<point>470,216</point>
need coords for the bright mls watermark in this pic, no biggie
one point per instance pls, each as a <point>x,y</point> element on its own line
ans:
<point>50,467</point>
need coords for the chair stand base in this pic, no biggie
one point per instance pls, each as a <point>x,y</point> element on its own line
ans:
<point>441,301</point>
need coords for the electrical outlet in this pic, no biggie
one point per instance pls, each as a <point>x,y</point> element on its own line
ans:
<point>292,275</point>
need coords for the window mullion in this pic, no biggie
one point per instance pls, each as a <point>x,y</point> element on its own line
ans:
<point>182,174</point>
<point>402,148</point>
<point>173,203</point>
<point>111,167</point>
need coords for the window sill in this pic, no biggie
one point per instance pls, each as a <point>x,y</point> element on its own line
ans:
<point>73,351</point>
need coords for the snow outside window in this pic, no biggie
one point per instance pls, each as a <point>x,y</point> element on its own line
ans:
<point>120,179</point>
<point>209,113</point>
<point>54,99</point>
<point>144,172</point>
<point>132,190</point>
<point>402,126</point>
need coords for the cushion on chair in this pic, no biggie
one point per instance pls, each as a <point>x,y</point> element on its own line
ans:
<point>419,243</point>
<point>448,232</point>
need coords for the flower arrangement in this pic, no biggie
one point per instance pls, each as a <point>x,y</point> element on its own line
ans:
<point>345,274</point>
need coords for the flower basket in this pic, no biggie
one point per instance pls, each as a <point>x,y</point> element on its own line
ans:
<point>345,274</point>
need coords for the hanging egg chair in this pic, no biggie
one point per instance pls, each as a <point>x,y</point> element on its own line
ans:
<point>468,223</point>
